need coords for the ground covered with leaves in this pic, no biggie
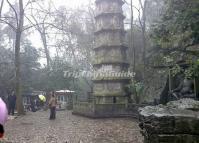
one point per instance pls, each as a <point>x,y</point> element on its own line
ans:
<point>67,128</point>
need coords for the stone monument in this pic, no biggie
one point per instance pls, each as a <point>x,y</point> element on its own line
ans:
<point>109,97</point>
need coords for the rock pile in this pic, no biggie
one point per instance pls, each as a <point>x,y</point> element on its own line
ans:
<point>176,122</point>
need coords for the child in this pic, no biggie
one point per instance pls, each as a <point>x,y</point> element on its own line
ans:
<point>3,117</point>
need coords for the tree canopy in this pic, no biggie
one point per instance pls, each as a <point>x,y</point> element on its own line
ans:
<point>178,29</point>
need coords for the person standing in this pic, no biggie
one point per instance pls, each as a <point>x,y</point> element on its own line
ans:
<point>11,103</point>
<point>32,105</point>
<point>52,105</point>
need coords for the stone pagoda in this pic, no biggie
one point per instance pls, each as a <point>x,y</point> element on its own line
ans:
<point>109,96</point>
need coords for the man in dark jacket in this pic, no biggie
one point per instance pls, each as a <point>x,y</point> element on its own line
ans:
<point>11,103</point>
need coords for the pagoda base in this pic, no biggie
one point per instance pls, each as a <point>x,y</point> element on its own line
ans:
<point>103,110</point>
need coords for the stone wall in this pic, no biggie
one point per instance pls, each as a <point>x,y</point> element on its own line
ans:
<point>110,110</point>
<point>102,110</point>
<point>83,108</point>
<point>92,110</point>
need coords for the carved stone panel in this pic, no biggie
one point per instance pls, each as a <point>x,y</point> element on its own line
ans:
<point>107,87</point>
<point>113,55</point>
<point>109,39</point>
<point>109,7</point>
<point>110,68</point>
<point>109,22</point>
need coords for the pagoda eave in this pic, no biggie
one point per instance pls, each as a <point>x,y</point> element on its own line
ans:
<point>110,94</point>
<point>119,1</point>
<point>110,14</point>
<point>111,62</point>
<point>121,46</point>
<point>110,30</point>
<point>102,80</point>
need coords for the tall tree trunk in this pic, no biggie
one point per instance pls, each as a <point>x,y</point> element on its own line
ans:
<point>1,7</point>
<point>43,35</point>
<point>44,41</point>
<point>20,108</point>
<point>132,37</point>
<point>143,25</point>
<point>144,40</point>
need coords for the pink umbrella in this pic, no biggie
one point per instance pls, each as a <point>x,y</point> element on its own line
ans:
<point>3,116</point>
<point>3,112</point>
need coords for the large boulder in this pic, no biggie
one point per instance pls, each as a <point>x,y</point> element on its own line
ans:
<point>176,122</point>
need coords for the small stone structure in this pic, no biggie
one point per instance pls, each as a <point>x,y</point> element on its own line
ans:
<point>176,122</point>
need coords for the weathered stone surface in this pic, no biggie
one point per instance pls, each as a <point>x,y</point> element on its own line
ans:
<point>109,38</point>
<point>108,87</point>
<point>173,139</point>
<point>110,21</point>
<point>110,68</point>
<point>177,122</point>
<point>110,7</point>
<point>110,56</point>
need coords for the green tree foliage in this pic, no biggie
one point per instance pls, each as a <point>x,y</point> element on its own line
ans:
<point>178,29</point>
<point>53,79</point>
<point>29,65</point>
<point>6,70</point>
<point>136,89</point>
<point>176,35</point>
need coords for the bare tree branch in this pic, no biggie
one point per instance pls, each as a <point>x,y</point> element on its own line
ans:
<point>132,6</point>
<point>16,15</point>
<point>8,17</point>
<point>29,2</point>
<point>140,2</point>
<point>9,24</point>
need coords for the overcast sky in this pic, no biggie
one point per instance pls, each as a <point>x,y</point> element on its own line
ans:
<point>78,3</point>
<point>82,3</point>
<point>73,4</point>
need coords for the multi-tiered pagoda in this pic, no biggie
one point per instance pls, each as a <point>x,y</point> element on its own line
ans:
<point>110,56</point>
